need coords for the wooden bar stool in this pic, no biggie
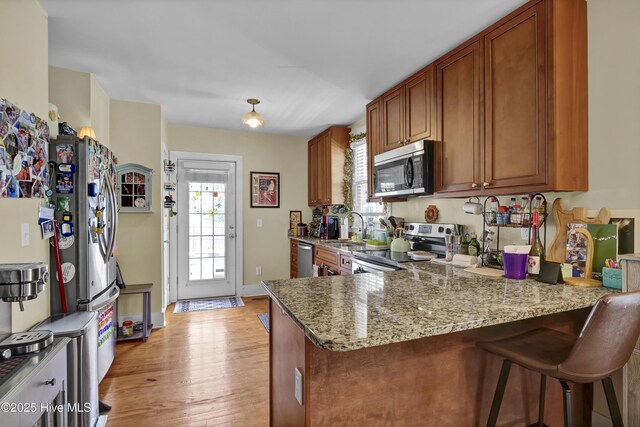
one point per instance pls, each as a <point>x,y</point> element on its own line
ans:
<point>604,345</point>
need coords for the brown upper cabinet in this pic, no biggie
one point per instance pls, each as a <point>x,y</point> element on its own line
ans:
<point>326,153</point>
<point>406,111</point>
<point>510,106</point>
<point>458,153</point>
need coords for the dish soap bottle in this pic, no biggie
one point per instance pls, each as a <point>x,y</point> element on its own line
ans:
<point>474,245</point>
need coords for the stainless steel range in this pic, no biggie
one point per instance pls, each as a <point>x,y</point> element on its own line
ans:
<point>421,235</point>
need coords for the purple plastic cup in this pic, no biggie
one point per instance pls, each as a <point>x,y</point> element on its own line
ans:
<point>515,266</point>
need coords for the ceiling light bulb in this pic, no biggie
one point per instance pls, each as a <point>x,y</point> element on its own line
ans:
<point>252,118</point>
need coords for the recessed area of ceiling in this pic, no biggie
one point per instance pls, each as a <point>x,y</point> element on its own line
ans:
<point>312,63</point>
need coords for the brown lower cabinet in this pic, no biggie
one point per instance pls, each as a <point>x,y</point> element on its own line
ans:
<point>327,260</point>
<point>443,380</point>
<point>293,262</point>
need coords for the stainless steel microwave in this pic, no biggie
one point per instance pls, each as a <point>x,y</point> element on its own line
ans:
<point>408,170</point>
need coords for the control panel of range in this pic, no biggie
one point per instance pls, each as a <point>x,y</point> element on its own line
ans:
<point>424,229</point>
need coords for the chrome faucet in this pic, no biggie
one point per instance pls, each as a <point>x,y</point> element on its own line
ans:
<point>364,225</point>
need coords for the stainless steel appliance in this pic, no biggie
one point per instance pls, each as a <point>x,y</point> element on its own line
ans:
<point>27,342</point>
<point>82,363</point>
<point>305,260</point>
<point>22,282</point>
<point>87,216</point>
<point>408,170</point>
<point>421,236</point>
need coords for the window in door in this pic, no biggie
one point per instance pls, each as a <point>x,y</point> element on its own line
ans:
<point>206,231</point>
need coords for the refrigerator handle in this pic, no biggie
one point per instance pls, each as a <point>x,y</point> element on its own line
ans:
<point>114,217</point>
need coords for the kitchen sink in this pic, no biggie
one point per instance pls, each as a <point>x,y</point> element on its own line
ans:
<point>344,244</point>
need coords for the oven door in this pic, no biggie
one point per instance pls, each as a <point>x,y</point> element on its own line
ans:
<point>359,266</point>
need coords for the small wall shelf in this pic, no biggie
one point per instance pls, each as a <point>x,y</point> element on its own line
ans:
<point>135,182</point>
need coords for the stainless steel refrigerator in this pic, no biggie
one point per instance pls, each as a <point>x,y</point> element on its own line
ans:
<point>85,196</point>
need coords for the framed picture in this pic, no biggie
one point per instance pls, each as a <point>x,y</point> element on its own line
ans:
<point>265,189</point>
<point>295,217</point>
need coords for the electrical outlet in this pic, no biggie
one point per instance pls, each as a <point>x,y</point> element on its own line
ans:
<point>298,388</point>
<point>524,234</point>
<point>259,222</point>
<point>24,234</point>
<point>258,271</point>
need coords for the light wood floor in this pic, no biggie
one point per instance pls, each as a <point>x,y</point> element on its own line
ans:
<point>205,368</point>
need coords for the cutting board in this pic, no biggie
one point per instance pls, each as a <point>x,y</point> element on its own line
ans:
<point>557,252</point>
<point>485,271</point>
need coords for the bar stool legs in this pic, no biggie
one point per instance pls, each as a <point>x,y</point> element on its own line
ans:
<point>499,394</point>
<point>609,392</point>
<point>566,391</point>
<point>614,409</point>
<point>497,397</point>
<point>543,389</point>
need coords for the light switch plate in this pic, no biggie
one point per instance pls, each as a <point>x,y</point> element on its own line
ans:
<point>24,234</point>
<point>258,271</point>
<point>524,234</point>
<point>298,389</point>
<point>259,222</point>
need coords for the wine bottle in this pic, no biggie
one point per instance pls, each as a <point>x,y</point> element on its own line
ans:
<point>474,245</point>
<point>536,254</point>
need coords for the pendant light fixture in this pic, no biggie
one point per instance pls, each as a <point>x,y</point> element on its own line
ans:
<point>252,118</point>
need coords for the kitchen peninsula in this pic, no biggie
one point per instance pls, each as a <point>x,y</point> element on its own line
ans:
<point>399,348</point>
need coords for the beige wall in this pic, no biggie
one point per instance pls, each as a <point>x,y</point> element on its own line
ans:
<point>24,82</point>
<point>614,122</point>
<point>135,134</point>
<point>100,105</point>
<point>71,91</point>
<point>266,246</point>
<point>81,101</point>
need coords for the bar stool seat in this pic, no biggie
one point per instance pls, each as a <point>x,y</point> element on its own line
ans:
<point>604,345</point>
<point>540,350</point>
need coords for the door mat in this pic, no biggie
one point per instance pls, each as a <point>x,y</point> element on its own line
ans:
<point>264,318</point>
<point>207,304</point>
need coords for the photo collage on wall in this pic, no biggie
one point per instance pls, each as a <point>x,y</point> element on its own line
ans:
<point>24,144</point>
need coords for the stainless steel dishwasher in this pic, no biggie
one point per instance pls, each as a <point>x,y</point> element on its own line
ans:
<point>305,260</point>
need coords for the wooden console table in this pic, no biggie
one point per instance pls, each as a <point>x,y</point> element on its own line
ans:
<point>145,290</point>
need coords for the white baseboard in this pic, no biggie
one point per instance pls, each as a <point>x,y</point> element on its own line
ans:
<point>252,290</point>
<point>157,318</point>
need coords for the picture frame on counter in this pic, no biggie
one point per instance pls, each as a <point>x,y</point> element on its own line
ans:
<point>265,189</point>
<point>295,217</point>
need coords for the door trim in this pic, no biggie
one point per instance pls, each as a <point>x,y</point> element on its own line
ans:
<point>175,156</point>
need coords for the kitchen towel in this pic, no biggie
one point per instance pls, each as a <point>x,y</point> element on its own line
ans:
<point>207,304</point>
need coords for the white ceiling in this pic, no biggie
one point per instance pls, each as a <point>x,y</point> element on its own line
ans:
<point>312,63</point>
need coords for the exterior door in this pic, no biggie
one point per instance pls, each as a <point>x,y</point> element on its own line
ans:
<point>206,229</point>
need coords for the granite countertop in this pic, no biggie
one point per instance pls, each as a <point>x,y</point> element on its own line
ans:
<point>340,246</point>
<point>343,313</point>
